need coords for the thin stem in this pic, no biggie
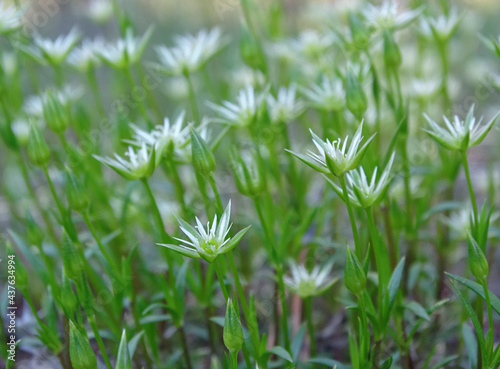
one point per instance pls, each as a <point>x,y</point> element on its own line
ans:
<point>192,99</point>
<point>220,277</point>
<point>97,239</point>
<point>94,87</point>
<point>137,99</point>
<point>185,347</point>
<point>284,309</point>
<point>218,202</point>
<point>469,185</point>
<point>310,325</point>
<point>351,217</point>
<point>59,205</point>
<point>490,316</point>
<point>156,212</point>
<point>379,252</point>
<point>100,343</point>
<point>234,359</point>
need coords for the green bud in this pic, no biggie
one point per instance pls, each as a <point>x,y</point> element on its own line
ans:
<point>55,113</point>
<point>392,55</point>
<point>50,338</point>
<point>355,96</point>
<point>477,259</point>
<point>35,233</point>
<point>77,198</point>
<point>359,33</point>
<point>233,333</point>
<point>247,176</point>
<point>354,276</point>
<point>251,51</point>
<point>80,352</point>
<point>38,151</point>
<point>21,276</point>
<point>71,259</point>
<point>202,156</point>
<point>68,299</point>
<point>123,359</point>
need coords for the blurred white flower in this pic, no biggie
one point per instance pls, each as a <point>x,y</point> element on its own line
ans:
<point>329,95</point>
<point>246,76</point>
<point>461,134</point>
<point>210,242</point>
<point>33,105</point>
<point>21,129</point>
<point>312,43</point>
<point>53,52</point>
<point>389,16</point>
<point>100,11</point>
<point>307,284</point>
<point>10,18</point>
<point>425,88</point>
<point>285,107</point>
<point>140,164</point>
<point>85,56</point>
<point>127,51</point>
<point>190,52</point>
<point>441,28</point>
<point>244,111</point>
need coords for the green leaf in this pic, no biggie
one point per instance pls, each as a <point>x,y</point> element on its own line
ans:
<point>155,318</point>
<point>444,362</point>
<point>281,352</point>
<point>418,310</point>
<point>478,289</point>
<point>470,343</point>
<point>393,287</point>
<point>81,354</point>
<point>123,357</point>
<point>297,342</point>
<point>328,362</point>
<point>132,344</point>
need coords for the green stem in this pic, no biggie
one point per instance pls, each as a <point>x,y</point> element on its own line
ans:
<point>137,99</point>
<point>310,325</point>
<point>354,228</point>
<point>443,51</point>
<point>220,277</point>
<point>156,212</point>
<point>100,343</point>
<point>284,309</point>
<point>94,87</point>
<point>185,347</point>
<point>97,239</point>
<point>490,340</point>
<point>380,254</point>
<point>192,99</point>
<point>218,202</point>
<point>471,189</point>
<point>234,359</point>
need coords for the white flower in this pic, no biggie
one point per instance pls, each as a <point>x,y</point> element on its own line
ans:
<point>388,16</point>
<point>21,129</point>
<point>460,134</point>
<point>140,164</point>
<point>361,192</point>
<point>334,157</point>
<point>329,96</point>
<point>307,284</point>
<point>210,242</point>
<point>190,52</point>
<point>460,221</point>
<point>126,51</point>
<point>10,18</point>
<point>244,111</point>
<point>55,51</point>
<point>85,56</point>
<point>34,104</point>
<point>312,43</point>
<point>167,138</point>
<point>442,28</point>
<point>425,88</point>
<point>100,11</point>
<point>285,107</point>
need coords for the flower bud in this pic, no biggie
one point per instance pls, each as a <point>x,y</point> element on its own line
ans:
<point>77,198</point>
<point>354,275</point>
<point>38,151</point>
<point>233,333</point>
<point>359,33</point>
<point>477,259</point>
<point>55,113</point>
<point>71,259</point>
<point>202,156</point>
<point>80,352</point>
<point>251,52</point>
<point>19,271</point>
<point>123,359</point>
<point>246,174</point>
<point>392,55</point>
<point>34,234</point>
<point>355,97</point>
<point>68,299</point>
